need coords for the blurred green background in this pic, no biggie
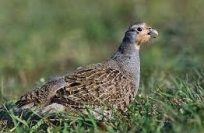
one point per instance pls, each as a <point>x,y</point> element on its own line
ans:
<point>43,38</point>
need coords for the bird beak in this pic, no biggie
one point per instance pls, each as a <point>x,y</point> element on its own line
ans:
<point>153,33</point>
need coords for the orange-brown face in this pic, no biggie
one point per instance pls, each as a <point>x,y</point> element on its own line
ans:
<point>144,33</point>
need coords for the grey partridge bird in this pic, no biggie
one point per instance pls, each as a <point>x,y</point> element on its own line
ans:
<point>112,84</point>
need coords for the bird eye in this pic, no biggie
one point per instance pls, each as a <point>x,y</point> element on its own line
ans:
<point>139,29</point>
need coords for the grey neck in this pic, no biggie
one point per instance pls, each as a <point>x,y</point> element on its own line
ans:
<point>127,57</point>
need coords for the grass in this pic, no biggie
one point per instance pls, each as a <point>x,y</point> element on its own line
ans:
<point>39,39</point>
<point>170,105</point>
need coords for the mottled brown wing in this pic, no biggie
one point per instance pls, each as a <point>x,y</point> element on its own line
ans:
<point>96,87</point>
<point>41,95</point>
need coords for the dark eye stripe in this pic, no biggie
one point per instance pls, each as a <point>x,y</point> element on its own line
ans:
<point>132,30</point>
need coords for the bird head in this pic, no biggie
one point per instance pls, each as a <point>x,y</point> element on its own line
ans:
<point>140,33</point>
